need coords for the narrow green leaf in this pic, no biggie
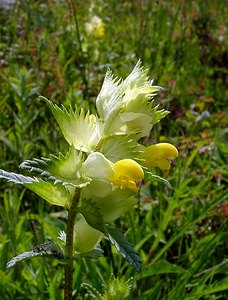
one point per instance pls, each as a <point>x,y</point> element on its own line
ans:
<point>153,177</point>
<point>49,248</point>
<point>154,292</point>
<point>92,292</point>
<point>180,289</point>
<point>123,247</point>
<point>17,178</point>
<point>200,215</point>
<point>215,287</point>
<point>161,267</point>
<point>35,165</point>
<point>95,253</point>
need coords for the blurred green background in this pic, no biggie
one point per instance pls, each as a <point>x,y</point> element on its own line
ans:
<point>62,50</point>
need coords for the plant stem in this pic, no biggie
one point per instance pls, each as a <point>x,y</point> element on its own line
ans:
<point>69,246</point>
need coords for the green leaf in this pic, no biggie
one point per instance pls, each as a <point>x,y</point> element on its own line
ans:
<point>60,169</point>
<point>78,128</point>
<point>153,177</point>
<point>208,289</point>
<point>197,264</point>
<point>123,247</point>
<point>55,194</point>
<point>36,165</point>
<point>49,248</point>
<point>92,214</point>
<point>95,253</point>
<point>17,178</point>
<point>154,292</point>
<point>161,267</point>
<point>197,217</point>
<point>92,293</point>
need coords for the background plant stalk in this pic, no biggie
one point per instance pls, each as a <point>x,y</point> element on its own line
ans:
<point>69,268</point>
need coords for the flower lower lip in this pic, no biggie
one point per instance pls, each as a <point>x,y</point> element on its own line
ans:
<point>140,183</point>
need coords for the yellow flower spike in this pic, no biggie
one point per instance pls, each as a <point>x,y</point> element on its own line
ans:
<point>100,30</point>
<point>127,174</point>
<point>158,155</point>
<point>95,27</point>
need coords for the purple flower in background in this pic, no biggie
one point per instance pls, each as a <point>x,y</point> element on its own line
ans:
<point>204,149</point>
<point>7,4</point>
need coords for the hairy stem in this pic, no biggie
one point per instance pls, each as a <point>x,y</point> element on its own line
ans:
<point>69,269</point>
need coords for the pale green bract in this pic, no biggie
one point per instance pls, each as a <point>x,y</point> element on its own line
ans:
<point>126,107</point>
<point>109,100</point>
<point>65,169</point>
<point>80,129</point>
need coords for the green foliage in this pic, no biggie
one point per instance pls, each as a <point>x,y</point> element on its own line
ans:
<point>180,231</point>
<point>94,218</point>
<point>92,214</point>
<point>123,247</point>
<point>50,248</point>
<point>118,288</point>
<point>58,168</point>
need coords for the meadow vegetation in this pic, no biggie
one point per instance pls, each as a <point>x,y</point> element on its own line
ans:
<point>62,50</point>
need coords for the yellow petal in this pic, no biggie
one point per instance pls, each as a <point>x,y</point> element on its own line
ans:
<point>163,164</point>
<point>127,174</point>
<point>158,155</point>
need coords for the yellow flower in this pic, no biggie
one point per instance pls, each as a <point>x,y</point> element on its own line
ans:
<point>158,155</point>
<point>95,27</point>
<point>127,174</point>
<point>100,30</point>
